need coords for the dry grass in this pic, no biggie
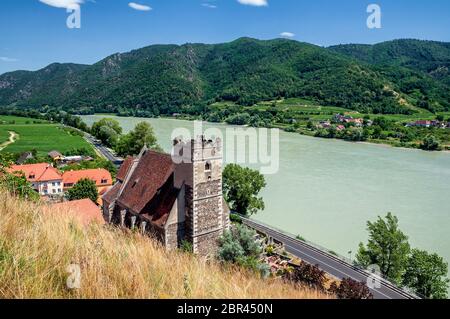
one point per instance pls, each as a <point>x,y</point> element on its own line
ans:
<point>35,251</point>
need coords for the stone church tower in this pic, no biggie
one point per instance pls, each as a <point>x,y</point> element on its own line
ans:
<point>206,211</point>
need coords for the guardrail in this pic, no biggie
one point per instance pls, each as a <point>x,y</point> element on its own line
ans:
<point>332,255</point>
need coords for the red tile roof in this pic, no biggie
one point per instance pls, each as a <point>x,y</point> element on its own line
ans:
<point>111,194</point>
<point>97,175</point>
<point>42,172</point>
<point>150,174</point>
<point>122,173</point>
<point>84,210</point>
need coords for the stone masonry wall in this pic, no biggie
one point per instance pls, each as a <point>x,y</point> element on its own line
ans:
<point>208,215</point>
<point>207,245</point>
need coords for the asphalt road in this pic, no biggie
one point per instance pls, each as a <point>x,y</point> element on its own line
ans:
<point>104,151</point>
<point>330,264</point>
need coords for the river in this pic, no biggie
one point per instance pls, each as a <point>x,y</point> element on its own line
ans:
<point>327,190</point>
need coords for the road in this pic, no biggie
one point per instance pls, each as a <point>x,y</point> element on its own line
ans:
<point>329,263</point>
<point>103,150</point>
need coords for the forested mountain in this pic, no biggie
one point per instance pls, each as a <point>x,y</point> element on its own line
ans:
<point>387,78</point>
<point>420,68</point>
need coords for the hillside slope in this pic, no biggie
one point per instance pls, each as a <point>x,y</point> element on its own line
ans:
<point>162,78</point>
<point>36,247</point>
<point>420,68</point>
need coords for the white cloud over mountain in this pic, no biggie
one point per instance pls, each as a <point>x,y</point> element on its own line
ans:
<point>287,34</point>
<point>139,7</point>
<point>256,3</point>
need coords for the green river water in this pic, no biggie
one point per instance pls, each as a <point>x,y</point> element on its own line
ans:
<point>326,190</point>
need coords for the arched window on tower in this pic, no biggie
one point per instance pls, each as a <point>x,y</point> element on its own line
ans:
<point>208,167</point>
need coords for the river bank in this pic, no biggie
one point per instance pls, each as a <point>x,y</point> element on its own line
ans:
<point>305,132</point>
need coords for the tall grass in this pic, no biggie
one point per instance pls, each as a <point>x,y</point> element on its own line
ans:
<point>37,245</point>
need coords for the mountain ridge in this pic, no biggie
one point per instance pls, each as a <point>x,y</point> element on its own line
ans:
<point>164,78</point>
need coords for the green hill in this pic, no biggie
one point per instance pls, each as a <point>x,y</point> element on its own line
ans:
<point>419,68</point>
<point>161,79</point>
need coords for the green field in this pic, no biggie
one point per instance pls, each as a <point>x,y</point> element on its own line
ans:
<point>8,119</point>
<point>42,137</point>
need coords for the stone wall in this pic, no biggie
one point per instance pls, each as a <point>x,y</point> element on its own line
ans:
<point>207,245</point>
<point>208,189</point>
<point>174,235</point>
<point>208,215</point>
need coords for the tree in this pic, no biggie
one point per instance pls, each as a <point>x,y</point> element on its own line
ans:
<point>133,142</point>
<point>427,274</point>
<point>440,118</point>
<point>17,185</point>
<point>350,289</point>
<point>111,123</point>
<point>107,131</point>
<point>85,188</point>
<point>310,275</point>
<point>7,159</point>
<point>238,243</point>
<point>387,247</point>
<point>430,143</point>
<point>108,136</point>
<point>238,246</point>
<point>241,188</point>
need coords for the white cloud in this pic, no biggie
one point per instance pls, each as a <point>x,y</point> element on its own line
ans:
<point>287,34</point>
<point>6,59</point>
<point>66,4</point>
<point>209,5</point>
<point>256,3</point>
<point>139,7</point>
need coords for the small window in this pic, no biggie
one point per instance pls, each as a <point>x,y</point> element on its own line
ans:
<point>104,181</point>
<point>208,167</point>
<point>32,176</point>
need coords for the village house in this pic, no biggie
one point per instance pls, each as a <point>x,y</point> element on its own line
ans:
<point>44,178</point>
<point>428,123</point>
<point>324,124</point>
<point>347,119</point>
<point>55,156</point>
<point>172,202</point>
<point>100,176</point>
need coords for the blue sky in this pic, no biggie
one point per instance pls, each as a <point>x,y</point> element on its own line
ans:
<point>34,34</point>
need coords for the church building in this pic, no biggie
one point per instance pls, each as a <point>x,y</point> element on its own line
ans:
<point>170,201</point>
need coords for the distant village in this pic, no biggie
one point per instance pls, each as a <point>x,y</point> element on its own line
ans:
<point>343,120</point>
<point>52,183</point>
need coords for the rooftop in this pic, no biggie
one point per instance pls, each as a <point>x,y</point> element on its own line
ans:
<point>84,210</point>
<point>41,172</point>
<point>97,175</point>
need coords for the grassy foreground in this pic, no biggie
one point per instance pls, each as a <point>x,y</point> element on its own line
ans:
<point>37,246</point>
